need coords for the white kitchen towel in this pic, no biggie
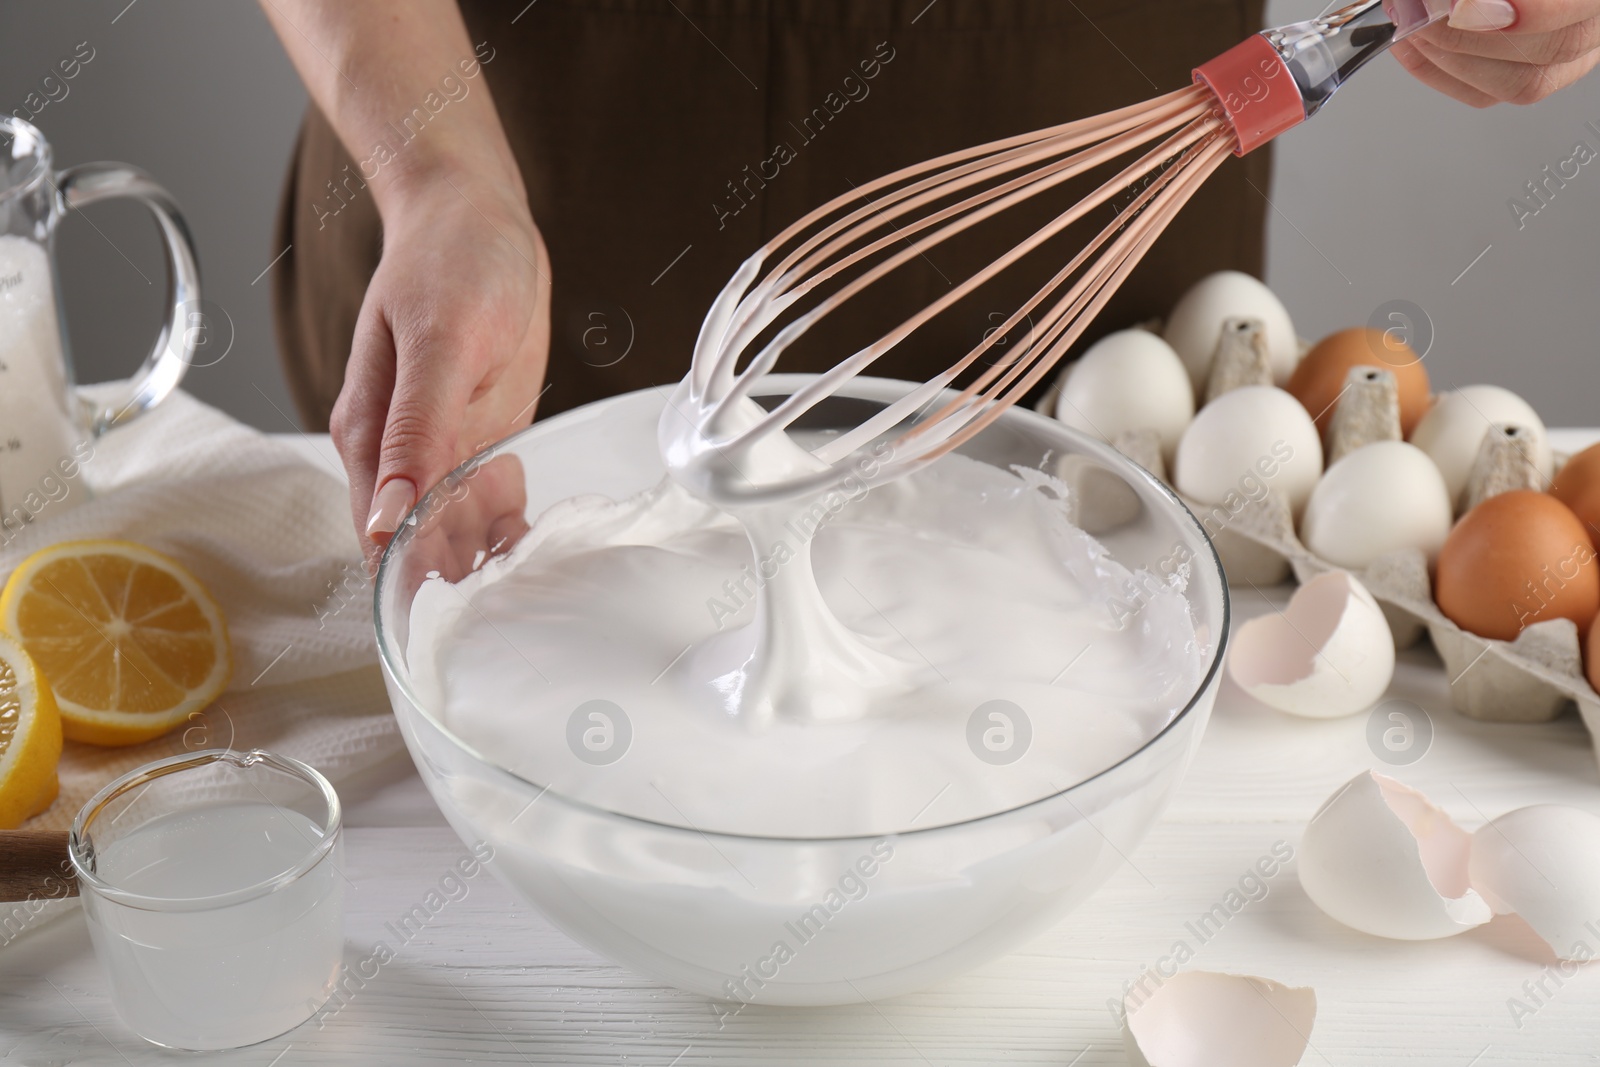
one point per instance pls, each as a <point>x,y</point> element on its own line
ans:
<point>268,531</point>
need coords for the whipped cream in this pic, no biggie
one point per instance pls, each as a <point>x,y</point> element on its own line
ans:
<point>866,661</point>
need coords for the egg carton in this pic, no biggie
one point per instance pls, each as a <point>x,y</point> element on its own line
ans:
<point>1534,678</point>
<point>1531,679</point>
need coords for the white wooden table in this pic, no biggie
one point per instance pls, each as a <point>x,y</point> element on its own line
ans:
<point>488,980</point>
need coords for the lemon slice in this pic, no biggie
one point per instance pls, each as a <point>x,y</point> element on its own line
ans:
<point>130,642</point>
<point>30,738</point>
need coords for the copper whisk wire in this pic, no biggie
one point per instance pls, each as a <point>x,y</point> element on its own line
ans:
<point>913,207</point>
<point>1266,84</point>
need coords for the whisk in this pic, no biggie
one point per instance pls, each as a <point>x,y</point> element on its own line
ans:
<point>711,431</point>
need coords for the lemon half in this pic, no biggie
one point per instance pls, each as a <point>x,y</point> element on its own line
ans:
<point>129,641</point>
<point>30,738</point>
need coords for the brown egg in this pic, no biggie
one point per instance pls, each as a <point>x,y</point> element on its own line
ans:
<point>1578,487</point>
<point>1320,377</point>
<point>1517,558</point>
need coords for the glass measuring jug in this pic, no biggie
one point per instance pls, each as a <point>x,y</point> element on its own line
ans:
<point>45,425</point>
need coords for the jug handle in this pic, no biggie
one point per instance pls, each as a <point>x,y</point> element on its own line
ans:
<point>164,367</point>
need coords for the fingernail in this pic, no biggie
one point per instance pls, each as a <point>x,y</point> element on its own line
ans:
<point>1482,15</point>
<point>389,506</point>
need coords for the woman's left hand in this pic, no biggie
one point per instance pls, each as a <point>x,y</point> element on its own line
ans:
<point>1506,51</point>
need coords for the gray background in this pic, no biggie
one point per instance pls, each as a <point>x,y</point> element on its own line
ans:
<point>200,94</point>
<point>1388,196</point>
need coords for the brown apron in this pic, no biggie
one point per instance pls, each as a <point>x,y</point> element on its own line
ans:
<point>663,141</point>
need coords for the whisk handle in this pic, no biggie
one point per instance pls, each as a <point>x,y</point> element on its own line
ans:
<point>1278,78</point>
<point>1323,52</point>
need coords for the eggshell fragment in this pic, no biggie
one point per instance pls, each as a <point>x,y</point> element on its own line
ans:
<point>1381,498</point>
<point>1543,863</point>
<point>1329,654</point>
<point>1196,323</point>
<point>1205,1019</point>
<point>1246,441</point>
<point>1128,380</point>
<point>1453,429</point>
<point>1379,858</point>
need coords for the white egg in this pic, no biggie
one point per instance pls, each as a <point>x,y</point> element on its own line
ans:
<point>1543,863</point>
<point>1196,323</point>
<point>1379,858</point>
<point>1381,498</point>
<point>1330,653</point>
<point>1452,430</point>
<point>1203,1019</point>
<point>1128,380</point>
<point>1247,441</point>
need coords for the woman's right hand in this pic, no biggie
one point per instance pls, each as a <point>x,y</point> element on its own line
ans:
<point>450,346</point>
<point>1506,51</point>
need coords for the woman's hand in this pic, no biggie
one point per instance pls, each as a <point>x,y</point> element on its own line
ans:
<point>1511,51</point>
<point>450,347</point>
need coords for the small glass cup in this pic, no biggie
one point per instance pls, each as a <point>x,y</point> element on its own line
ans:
<point>213,886</point>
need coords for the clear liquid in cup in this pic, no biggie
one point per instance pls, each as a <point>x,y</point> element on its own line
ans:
<point>219,977</point>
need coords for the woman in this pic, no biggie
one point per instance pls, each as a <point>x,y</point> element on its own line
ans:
<point>458,157</point>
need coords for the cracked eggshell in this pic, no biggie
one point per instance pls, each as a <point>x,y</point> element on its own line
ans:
<point>1329,654</point>
<point>1453,429</point>
<point>1380,858</point>
<point>1205,1019</point>
<point>1196,323</point>
<point>1247,440</point>
<point>1381,498</point>
<point>1543,863</point>
<point>1128,380</point>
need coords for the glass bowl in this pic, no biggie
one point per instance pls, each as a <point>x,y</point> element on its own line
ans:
<point>782,920</point>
